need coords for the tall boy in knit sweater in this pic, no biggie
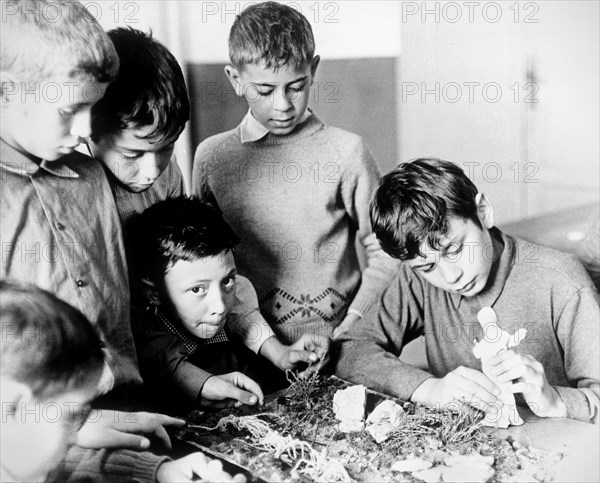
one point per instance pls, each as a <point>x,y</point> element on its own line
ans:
<point>464,281</point>
<point>294,189</point>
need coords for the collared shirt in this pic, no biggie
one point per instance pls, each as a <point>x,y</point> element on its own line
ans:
<point>60,230</point>
<point>190,342</point>
<point>251,130</point>
<point>168,185</point>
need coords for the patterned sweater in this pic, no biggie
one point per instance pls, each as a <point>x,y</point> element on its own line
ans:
<point>298,202</point>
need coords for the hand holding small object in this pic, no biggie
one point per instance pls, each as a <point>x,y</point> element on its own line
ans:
<point>493,344</point>
<point>307,350</point>
<point>528,377</point>
<point>232,389</point>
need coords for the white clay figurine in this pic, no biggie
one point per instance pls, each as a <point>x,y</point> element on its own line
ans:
<point>495,341</point>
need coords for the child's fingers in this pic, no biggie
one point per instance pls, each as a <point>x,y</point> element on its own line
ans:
<point>474,383</point>
<point>501,358</point>
<point>165,420</point>
<point>112,438</point>
<point>296,356</point>
<point>161,435</point>
<point>244,382</point>
<point>517,372</point>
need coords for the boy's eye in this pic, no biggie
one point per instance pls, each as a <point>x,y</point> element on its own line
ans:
<point>67,111</point>
<point>264,93</point>
<point>427,268</point>
<point>131,156</point>
<point>229,282</point>
<point>198,290</point>
<point>298,88</point>
<point>455,249</point>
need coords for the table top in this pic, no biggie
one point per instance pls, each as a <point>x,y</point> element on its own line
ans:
<point>578,441</point>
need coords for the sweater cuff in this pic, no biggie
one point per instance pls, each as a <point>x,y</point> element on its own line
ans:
<point>361,305</point>
<point>146,467</point>
<point>578,403</point>
<point>253,330</point>
<point>191,379</point>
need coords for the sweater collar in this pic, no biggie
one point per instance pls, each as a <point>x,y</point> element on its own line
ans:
<point>504,260</point>
<point>251,130</point>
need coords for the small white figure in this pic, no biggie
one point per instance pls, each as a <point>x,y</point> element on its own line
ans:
<point>495,340</point>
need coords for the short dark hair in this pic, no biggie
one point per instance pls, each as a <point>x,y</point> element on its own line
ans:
<point>42,39</point>
<point>46,344</point>
<point>272,33</point>
<point>149,90</point>
<point>181,228</point>
<point>413,203</point>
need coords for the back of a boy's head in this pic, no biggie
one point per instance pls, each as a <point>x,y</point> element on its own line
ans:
<point>46,39</point>
<point>182,228</point>
<point>148,92</point>
<point>273,35</point>
<point>46,344</point>
<point>414,203</point>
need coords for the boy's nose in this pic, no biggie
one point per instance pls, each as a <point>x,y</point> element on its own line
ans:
<point>81,126</point>
<point>451,272</point>
<point>217,304</point>
<point>281,102</point>
<point>150,169</point>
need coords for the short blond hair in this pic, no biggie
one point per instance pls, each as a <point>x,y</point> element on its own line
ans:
<point>43,39</point>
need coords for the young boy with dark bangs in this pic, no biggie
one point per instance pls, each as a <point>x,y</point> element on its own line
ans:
<point>137,122</point>
<point>300,215</point>
<point>463,283</point>
<point>190,344</point>
<point>134,129</point>
<point>51,366</point>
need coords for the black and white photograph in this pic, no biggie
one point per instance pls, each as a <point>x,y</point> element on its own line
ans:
<point>300,241</point>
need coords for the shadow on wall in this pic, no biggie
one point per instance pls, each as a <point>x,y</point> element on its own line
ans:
<point>358,95</point>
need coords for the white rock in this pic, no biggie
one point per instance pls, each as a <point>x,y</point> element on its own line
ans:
<point>432,475</point>
<point>351,426</point>
<point>350,403</point>
<point>470,459</point>
<point>380,431</point>
<point>473,467</point>
<point>387,411</point>
<point>384,419</point>
<point>473,473</point>
<point>411,465</point>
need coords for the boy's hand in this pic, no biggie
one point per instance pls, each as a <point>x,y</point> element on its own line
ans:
<point>345,326</point>
<point>193,466</point>
<point>307,350</point>
<point>106,428</point>
<point>529,378</point>
<point>463,385</point>
<point>232,389</point>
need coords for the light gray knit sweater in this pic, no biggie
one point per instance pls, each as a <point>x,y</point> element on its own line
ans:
<point>298,202</point>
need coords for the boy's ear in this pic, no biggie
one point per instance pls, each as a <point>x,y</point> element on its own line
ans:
<point>150,291</point>
<point>313,66</point>
<point>234,78</point>
<point>8,86</point>
<point>485,210</point>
